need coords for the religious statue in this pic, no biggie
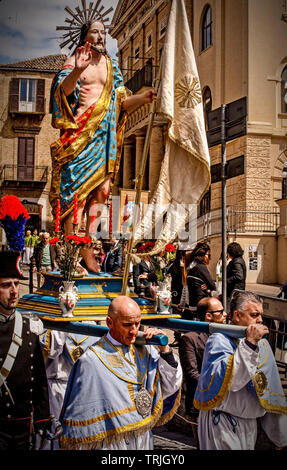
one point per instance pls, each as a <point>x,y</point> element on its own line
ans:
<point>89,104</point>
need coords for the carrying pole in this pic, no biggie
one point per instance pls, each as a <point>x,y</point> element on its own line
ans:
<point>139,184</point>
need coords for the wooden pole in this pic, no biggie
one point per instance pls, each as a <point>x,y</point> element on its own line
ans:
<point>139,184</point>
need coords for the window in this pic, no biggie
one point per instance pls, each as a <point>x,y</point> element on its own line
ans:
<point>27,98</point>
<point>163,26</point>
<point>205,203</point>
<point>137,52</point>
<point>284,181</point>
<point>26,152</point>
<point>27,95</point>
<point>207,103</point>
<point>149,41</point>
<point>206,30</point>
<point>284,91</point>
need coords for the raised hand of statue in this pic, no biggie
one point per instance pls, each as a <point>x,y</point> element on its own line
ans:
<point>83,57</point>
<point>149,96</point>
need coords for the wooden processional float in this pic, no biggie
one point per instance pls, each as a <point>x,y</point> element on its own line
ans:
<point>91,295</point>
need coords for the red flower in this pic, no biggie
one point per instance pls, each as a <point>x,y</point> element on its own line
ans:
<point>146,247</point>
<point>169,248</point>
<point>86,240</point>
<point>70,238</point>
<point>78,240</point>
<point>53,241</point>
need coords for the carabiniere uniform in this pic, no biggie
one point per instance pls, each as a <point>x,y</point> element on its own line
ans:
<point>24,403</point>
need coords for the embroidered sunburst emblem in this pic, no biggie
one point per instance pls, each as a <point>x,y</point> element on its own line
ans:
<point>187,92</point>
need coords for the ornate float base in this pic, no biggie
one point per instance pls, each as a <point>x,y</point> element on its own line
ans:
<point>95,292</point>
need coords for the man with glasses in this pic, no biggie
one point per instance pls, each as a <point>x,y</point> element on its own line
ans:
<point>240,383</point>
<point>191,350</point>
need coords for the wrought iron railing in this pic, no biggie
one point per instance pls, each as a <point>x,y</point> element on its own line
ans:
<point>239,220</point>
<point>142,77</point>
<point>261,219</point>
<point>11,173</point>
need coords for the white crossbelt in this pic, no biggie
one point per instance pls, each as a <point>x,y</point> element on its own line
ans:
<point>13,349</point>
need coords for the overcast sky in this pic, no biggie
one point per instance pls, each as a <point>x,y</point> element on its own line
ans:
<point>28,27</point>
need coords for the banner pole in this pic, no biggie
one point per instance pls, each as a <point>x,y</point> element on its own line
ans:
<point>139,184</point>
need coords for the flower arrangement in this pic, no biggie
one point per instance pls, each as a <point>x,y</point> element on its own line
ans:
<point>146,247</point>
<point>161,261</point>
<point>69,247</point>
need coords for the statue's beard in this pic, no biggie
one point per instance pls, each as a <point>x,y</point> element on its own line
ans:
<point>100,48</point>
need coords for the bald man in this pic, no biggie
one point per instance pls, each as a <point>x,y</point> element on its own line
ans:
<point>118,391</point>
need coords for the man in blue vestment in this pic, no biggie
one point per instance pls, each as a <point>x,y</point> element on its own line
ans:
<point>89,103</point>
<point>240,384</point>
<point>117,390</point>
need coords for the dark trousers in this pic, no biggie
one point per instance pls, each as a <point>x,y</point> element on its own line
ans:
<point>14,435</point>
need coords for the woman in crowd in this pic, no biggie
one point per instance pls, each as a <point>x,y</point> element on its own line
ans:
<point>199,281</point>
<point>236,268</point>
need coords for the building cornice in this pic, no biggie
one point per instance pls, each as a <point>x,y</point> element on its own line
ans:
<point>125,19</point>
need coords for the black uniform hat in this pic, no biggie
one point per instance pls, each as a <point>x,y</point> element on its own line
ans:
<point>10,264</point>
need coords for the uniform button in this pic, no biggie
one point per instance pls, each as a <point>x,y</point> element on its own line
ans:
<point>1,359</point>
<point>32,378</point>
<point>31,355</point>
<point>7,404</point>
<point>6,393</point>
<point>27,332</point>
<point>9,416</point>
<point>31,390</point>
<point>30,344</point>
<point>30,402</point>
<point>31,367</point>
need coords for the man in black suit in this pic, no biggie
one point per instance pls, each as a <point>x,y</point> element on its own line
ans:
<point>24,401</point>
<point>144,276</point>
<point>113,258</point>
<point>191,350</point>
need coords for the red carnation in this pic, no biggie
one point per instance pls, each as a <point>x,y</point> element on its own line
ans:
<point>170,247</point>
<point>70,238</point>
<point>86,240</point>
<point>53,241</point>
<point>146,247</point>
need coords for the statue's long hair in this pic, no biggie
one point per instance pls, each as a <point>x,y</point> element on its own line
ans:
<point>84,31</point>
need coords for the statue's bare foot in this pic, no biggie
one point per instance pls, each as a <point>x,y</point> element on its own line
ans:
<point>92,264</point>
<point>81,270</point>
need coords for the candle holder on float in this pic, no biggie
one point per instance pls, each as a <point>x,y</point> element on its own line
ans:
<point>68,248</point>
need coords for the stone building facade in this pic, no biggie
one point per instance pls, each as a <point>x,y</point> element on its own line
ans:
<point>240,49</point>
<point>26,135</point>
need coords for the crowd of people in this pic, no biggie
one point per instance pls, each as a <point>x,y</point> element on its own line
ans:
<point>191,279</point>
<point>44,257</point>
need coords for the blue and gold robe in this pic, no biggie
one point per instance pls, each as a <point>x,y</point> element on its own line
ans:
<point>100,408</point>
<point>217,375</point>
<point>89,148</point>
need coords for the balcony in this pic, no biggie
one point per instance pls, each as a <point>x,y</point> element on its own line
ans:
<point>263,220</point>
<point>23,176</point>
<point>141,78</point>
